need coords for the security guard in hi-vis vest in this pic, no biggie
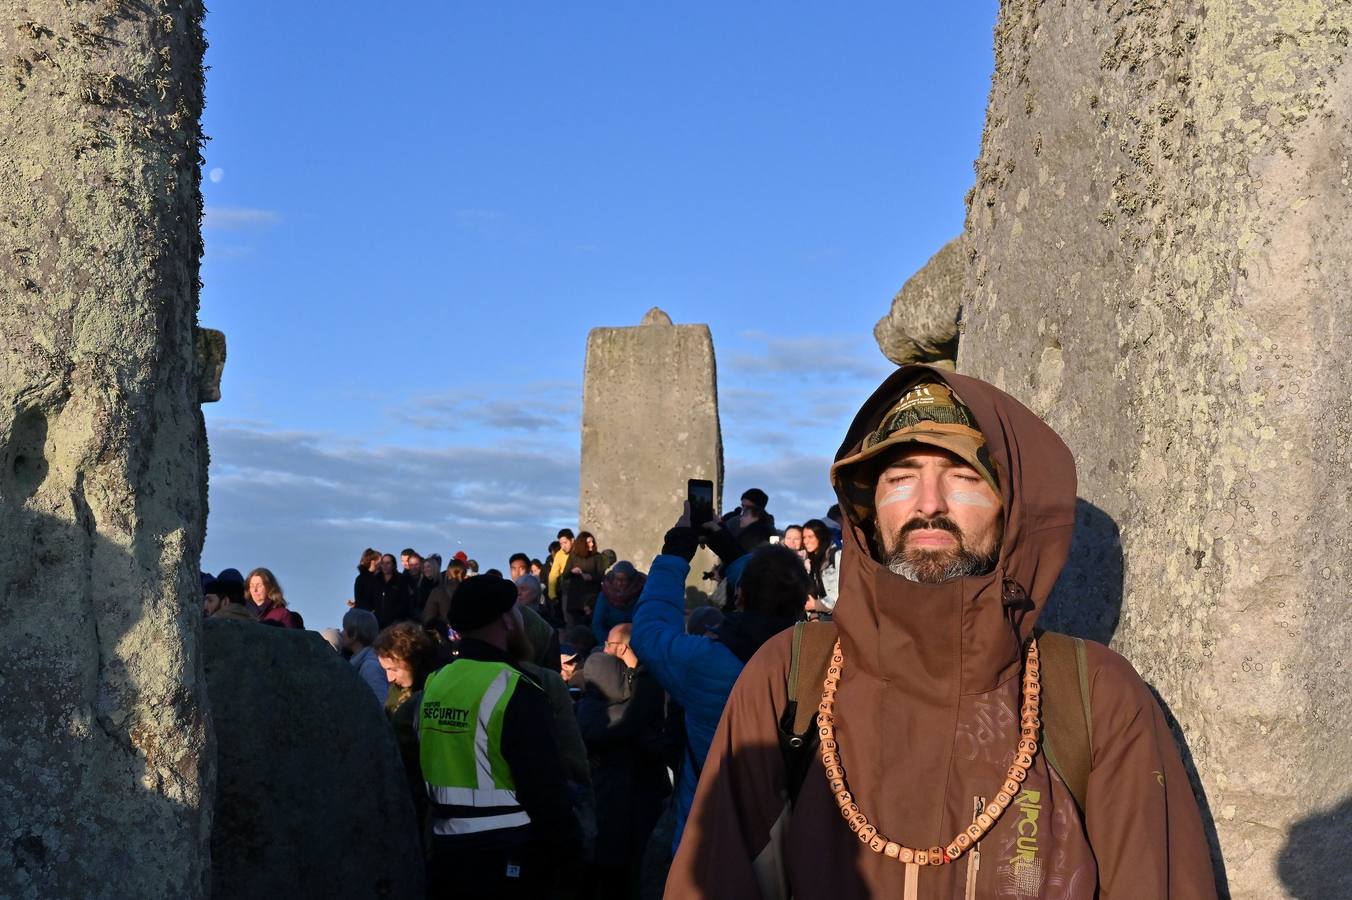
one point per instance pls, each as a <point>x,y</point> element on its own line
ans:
<point>501,821</point>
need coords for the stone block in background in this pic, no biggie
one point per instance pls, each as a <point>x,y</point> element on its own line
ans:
<point>649,423</point>
<point>311,796</point>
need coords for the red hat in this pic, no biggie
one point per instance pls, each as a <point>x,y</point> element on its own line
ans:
<point>461,555</point>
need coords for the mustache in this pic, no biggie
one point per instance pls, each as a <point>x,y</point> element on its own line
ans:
<point>938,523</point>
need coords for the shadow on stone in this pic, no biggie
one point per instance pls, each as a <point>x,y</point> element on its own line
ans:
<point>1087,603</point>
<point>1087,599</point>
<point>311,796</point>
<point>106,743</point>
<point>1315,863</point>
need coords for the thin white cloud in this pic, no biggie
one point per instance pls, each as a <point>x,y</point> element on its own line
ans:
<point>224,218</point>
<point>517,411</point>
<point>816,357</point>
<point>305,504</point>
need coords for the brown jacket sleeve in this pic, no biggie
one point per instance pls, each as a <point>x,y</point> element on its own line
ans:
<point>740,794</point>
<point>1140,813</point>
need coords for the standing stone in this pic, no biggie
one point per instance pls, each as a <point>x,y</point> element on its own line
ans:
<point>649,424</point>
<point>312,798</point>
<point>1161,233</point>
<point>106,782</point>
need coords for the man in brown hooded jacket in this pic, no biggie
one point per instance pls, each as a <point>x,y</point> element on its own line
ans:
<point>927,711</point>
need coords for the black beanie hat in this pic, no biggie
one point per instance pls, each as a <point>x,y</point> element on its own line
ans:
<point>480,600</point>
<point>758,497</point>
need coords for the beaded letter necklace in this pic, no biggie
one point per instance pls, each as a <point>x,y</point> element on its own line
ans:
<point>1030,723</point>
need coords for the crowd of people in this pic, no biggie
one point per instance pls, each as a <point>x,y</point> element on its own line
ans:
<point>829,724</point>
<point>610,745</point>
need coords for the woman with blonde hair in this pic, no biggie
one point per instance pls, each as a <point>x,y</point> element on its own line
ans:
<point>266,600</point>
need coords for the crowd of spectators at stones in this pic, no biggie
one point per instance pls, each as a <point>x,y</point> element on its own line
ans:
<point>626,684</point>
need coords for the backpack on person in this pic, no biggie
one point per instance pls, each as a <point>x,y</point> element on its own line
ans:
<point>1067,727</point>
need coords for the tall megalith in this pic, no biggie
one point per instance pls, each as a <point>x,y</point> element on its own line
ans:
<point>649,423</point>
<point>1160,263</point>
<point>106,781</point>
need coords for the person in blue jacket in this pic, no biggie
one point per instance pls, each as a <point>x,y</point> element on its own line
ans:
<point>770,587</point>
<point>615,604</point>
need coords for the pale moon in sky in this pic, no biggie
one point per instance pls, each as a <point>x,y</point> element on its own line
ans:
<point>216,175</point>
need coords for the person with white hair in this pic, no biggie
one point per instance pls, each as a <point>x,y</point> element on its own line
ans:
<point>529,592</point>
<point>359,633</point>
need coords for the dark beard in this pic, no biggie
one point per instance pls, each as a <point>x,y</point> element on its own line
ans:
<point>933,566</point>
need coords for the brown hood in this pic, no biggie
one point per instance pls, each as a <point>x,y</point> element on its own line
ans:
<point>927,720</point>
<point>938,642</point>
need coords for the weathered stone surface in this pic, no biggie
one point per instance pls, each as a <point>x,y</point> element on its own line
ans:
<point>1162,239</point>
<point>210,352</point>
<point>656,316</point>
<point>106,782</point>
<point>311,798</point>
<point>649,424</point>
<point>922,325</point>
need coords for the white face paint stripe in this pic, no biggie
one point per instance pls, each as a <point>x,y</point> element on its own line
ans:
<point>899,494</point>
<point>970,498</point>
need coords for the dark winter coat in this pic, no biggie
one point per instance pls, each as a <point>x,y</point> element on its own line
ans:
<point>579,593</point>
<point>361,588</point>
<point>275,614</point>
<point>621,717</point>
<point>391,601</point>
<point>438,605</point>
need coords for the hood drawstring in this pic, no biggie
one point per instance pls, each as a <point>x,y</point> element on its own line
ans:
<point>1017,604</point>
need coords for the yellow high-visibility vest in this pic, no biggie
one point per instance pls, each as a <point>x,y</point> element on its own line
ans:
<point>460,747</point>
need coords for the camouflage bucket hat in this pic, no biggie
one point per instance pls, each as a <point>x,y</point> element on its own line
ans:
<point>928,413</point>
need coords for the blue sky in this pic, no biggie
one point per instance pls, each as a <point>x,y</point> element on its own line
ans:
<point>413,219</point>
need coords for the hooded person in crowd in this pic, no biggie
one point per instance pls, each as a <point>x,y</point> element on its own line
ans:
<point>620,587</point>
<point>930,776</point>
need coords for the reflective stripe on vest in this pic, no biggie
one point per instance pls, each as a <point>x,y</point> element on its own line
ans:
<point>460,748</point>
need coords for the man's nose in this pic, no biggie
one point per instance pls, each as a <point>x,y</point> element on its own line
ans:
<point>931,501</point>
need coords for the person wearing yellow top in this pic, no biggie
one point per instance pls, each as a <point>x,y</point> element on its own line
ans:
<point>558,565</point>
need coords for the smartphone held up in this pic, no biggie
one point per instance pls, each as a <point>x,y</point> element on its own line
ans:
<point>700,495</point>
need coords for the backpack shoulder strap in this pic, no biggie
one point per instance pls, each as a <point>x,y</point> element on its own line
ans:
<point>1068,730</point>
<point>814,658</point>
<point>812,643</point>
